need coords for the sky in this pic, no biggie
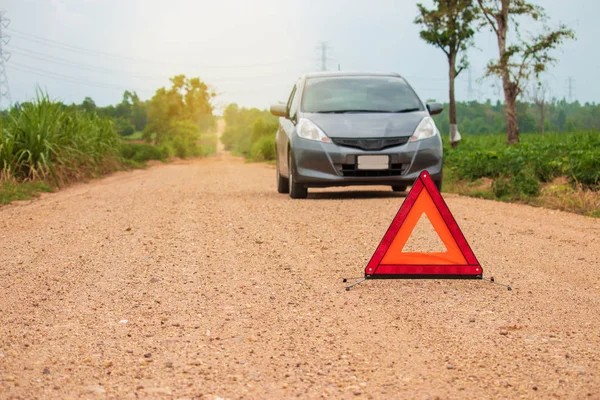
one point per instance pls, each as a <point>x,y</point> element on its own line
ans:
<point>252,52</point>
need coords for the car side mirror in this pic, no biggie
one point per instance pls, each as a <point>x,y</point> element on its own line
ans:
<point>435,108</point>
<point>279,110</point>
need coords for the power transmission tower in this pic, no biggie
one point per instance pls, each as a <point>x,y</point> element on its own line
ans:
<point>570,80</point>
<point>323,48</point>
<point>4,57</point>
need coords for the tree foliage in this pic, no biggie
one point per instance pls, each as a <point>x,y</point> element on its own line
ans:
<point>173,111</point>
<point>477,118</point>
<point>450,27</point>
<point>526,57</point>
<point>250,132</point>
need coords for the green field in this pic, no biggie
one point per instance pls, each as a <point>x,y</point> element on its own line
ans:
<point>558,170</point>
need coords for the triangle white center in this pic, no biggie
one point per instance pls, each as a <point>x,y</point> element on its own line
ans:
<point>424,238</point>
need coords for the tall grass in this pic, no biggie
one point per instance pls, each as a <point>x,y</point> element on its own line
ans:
<point>43,140</point>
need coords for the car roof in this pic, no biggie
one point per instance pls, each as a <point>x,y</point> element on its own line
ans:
<point>332,74</point>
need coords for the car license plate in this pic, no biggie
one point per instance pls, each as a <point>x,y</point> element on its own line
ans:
<point>373,162</point>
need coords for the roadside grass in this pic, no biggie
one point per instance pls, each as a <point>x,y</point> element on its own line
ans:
<point>45,146</point>
<point>12,190</point>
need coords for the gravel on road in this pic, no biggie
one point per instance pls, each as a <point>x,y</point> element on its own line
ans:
<point>196,279</point>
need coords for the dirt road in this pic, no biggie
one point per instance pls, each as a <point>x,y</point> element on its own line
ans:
<point>197,280</point>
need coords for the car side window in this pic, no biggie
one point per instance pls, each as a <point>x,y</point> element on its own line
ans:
<point>294,104</point>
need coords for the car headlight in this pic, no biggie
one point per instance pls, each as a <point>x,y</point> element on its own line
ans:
<point>425,129</point>
<point>308,130</point>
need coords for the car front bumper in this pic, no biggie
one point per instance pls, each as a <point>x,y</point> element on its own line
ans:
<point>319,164</point>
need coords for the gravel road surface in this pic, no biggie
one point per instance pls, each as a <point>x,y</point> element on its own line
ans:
<point>195,279</point>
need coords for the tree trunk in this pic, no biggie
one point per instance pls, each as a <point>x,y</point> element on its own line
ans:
<point>510,101</point>
<point>511,91</point>
<point>454,134</point>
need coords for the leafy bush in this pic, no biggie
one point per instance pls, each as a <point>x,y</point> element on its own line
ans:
<point>522,186</point>
<point>124,126</point>
<point>141,152</point>
<point>501,188</point>
<point>183,137</point>
<point>584,167</point>
<point>245,128</point>
<point>263,149</point>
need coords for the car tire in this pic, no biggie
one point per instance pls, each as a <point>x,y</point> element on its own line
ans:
<point>296,190</point>
<point>399,188</point>
<point>283,184</point>
<point>438,185</point>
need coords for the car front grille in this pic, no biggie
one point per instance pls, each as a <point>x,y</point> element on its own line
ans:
<point>352,170</point>
<point>371,143</point>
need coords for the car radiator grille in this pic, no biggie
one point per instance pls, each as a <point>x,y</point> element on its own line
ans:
<point>352,170</point>
<point>371,143</point>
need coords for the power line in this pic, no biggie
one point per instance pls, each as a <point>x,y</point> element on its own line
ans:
<point>74,64</point>
<point>80,50</point>
<point>69,63</point>
<point>65,78</point>
<point>4,57</point>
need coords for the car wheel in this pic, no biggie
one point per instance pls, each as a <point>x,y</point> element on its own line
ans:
<point>399,188</point>
<point>283,184</point>
<point>297,190</point>
<point>438,185</point>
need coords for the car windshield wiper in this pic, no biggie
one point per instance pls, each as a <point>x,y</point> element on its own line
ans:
<point>406,110</point>
<point>353,111</point>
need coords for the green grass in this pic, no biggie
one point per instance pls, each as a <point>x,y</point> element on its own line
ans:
<point>11,191</point>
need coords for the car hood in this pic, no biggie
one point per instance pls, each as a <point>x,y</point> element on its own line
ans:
<point>365,125</point>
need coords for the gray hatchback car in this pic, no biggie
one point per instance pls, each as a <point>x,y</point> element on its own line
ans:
<point>343,129</point>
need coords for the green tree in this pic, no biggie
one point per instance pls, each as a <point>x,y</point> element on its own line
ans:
<point>561,120</point>
<point>522,59</point>
<point>186,100</point>
<point>450,27</point>
<point>88,105</point>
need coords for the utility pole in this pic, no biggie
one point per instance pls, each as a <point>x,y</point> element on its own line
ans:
<point>4,57</point>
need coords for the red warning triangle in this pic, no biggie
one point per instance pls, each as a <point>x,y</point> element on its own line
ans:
<point>389,261</point>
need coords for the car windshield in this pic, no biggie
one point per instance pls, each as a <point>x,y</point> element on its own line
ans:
<point>348,94</point>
